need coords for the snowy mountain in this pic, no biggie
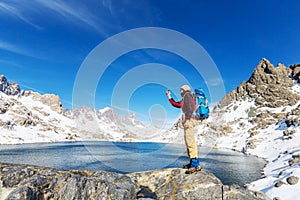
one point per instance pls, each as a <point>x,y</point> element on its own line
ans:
<point>28,117</point>
<point>105,124</point>
<point>261,117</point>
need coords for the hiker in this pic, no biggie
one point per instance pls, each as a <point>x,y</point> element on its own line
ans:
<point>188,104</point>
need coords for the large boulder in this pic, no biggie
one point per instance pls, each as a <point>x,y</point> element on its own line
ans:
<point>32,182</point>
<point>175,184</point>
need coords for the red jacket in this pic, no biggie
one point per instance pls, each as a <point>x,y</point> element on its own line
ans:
<point>176,104</point>
<point>187,104</point>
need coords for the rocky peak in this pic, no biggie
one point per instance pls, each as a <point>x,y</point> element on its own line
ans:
<point>9,88</point>
<point>3,83</point>
<point>268,86</point>
<point>109,115</point>
<point>74,113</point>
<point>51,100</point>
<point>266,73</point>
<point>131,119</point>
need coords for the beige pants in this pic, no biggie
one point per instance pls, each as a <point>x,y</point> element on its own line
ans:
<point>189,137</point>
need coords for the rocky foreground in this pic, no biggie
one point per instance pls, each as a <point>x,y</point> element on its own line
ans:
<point>32,182</point>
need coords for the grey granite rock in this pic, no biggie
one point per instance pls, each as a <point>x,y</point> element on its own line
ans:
<point>32,182</point>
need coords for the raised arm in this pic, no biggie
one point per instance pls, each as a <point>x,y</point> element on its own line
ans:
<point>176,104</point>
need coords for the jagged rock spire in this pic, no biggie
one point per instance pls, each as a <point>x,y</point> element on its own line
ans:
<point>266,73</point>
<point>9,88</point>
<point>268,86</point>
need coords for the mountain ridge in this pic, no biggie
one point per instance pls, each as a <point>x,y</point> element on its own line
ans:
<point>28,116</point>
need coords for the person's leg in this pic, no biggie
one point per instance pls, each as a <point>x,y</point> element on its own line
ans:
<point>192,148</point>
<point>190,140</point>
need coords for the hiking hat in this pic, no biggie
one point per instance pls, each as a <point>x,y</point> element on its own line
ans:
<point>186,88</point>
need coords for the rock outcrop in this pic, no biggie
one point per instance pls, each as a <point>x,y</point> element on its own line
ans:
<point>31,182</point>
<point>51,100</point>
<point>28,182</point>
<point>12,88</point>
<point>268,86</point>
<point>175,184</point>
<point>9,88</point>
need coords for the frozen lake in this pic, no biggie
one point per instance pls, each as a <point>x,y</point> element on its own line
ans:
<point>231,167</point>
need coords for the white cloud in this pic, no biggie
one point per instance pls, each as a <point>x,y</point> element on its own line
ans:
<point>13,48</point>
<point>7,46</point>
<point>125,12</point>
<point>103,16</point>
<point>108,5</point>
<point>76,13</point>
<point>12,10</point>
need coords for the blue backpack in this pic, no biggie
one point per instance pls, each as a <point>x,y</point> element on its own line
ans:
<point>202,109</point>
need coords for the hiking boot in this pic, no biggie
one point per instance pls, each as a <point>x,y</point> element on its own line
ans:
<point>192,170</point>
<point>187,166</point>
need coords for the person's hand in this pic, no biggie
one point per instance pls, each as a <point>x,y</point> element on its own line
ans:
<point>168,94</point>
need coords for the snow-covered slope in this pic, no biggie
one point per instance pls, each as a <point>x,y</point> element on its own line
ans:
<point>24,119</point>
<point>277,143</point>
<point>29,117</point>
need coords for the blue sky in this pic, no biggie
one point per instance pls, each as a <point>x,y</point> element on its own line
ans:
<point>43,43</point>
